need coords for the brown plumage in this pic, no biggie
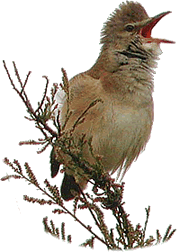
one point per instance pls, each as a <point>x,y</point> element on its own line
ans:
<point>122,78</point>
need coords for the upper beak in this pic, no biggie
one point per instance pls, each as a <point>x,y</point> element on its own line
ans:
<point>145,28</point>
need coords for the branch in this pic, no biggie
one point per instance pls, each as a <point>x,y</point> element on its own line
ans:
<point>55,200</point>
<point>45,94</point>
<point>26,100</point>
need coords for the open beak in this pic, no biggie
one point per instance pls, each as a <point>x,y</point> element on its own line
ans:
<point>145,28</point>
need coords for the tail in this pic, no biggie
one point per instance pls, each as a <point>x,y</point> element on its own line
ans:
<point>55,165</point>
<point>69,187</point>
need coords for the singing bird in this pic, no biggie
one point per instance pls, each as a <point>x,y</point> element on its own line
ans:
<point>122,78</point>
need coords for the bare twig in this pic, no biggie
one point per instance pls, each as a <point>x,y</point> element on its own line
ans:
<point>23,87</point>
<point>26,101</point>
<point>93,103</point>
<point>45,93</point>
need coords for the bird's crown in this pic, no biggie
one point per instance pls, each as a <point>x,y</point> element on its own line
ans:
<point>129,12</point>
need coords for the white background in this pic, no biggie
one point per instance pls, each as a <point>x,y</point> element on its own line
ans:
<point>43,36</point>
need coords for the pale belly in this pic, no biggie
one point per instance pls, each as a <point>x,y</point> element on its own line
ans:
<point>118,136</point>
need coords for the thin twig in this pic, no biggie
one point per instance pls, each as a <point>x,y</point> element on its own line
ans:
<point>96,221</point>
<point>27,77</point>
<point>45,93</point>
<point>93,103</point>
<point>25,99</point>
<point>146,222</point>
<point>17,74</point>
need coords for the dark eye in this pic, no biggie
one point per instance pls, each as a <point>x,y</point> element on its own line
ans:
<point>129,28</point>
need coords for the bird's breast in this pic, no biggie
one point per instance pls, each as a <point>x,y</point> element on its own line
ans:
<point>121,134</point>
<point>119,125</point>
<point>118,133</point>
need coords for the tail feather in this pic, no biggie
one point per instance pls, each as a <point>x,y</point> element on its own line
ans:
<point>55,165</point>
<point>69,187</point>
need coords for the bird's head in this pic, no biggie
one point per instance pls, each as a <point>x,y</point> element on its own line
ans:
<point>129,22</point>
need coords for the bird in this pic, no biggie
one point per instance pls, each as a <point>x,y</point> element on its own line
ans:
<point>122,79</point>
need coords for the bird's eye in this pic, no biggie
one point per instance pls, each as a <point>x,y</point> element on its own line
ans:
<point>129,28</point>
